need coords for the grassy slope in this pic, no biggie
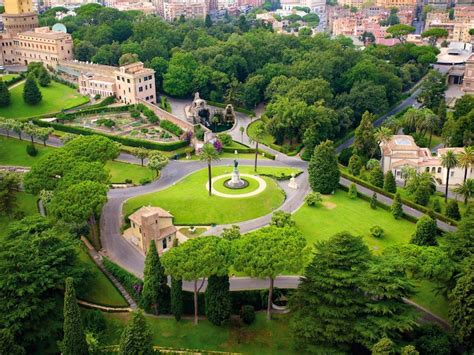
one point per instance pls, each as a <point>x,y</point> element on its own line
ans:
<point>427,297</point>
<point>100,290</point>
<point>120,171</point>
<point>262,337</point>
<point>189,202</point>
<point>56,97</point>
<point>13,152</point>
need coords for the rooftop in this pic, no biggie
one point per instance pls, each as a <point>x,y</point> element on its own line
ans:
<point>148,211</point>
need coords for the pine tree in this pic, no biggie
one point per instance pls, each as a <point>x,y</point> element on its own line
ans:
<point>74,341</point>
<point>136,337</point>
<point>323,169</point>
<point>218,302</point>
<point>376,176</point>
<point>8,345</point>
<point>373,201</point>
<point>327,302</point>
<point>154,286</point>
<point>4,94</point>
<point>176,298</point>
<point>355,165</point>
<point>364,139</point>
<point>352,191</point>
<point>44,79</point>
<point>389,183</point>
<point>31,93</point>
<point>397,207</point>
<point>425,232</point>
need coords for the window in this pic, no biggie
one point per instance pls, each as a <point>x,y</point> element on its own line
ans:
<point>427,169</point>
<point>145,78</point>
<point>433,169</point>
<point>128,81</point>
<point>439,169</point>
<point>452,173</point>
<point>140,89</point>
<point>118,77</point>
<point>165,244</point>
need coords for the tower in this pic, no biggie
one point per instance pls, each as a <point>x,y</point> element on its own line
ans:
<point>19,16</point>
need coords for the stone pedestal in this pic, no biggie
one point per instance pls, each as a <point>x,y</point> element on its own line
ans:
<point>292,184</point>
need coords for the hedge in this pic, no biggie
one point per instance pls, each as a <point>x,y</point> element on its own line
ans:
<point>238,109</point>
<point>409,203</point>
<point>90,110</point>
<point>132,142</point>
<point>127,279</point>
<point>14,80</point>
<point>247,150</point>
<point>171,127</point>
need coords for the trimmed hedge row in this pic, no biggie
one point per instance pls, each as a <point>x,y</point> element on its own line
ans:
<point>404,201</point>
<point>14,80</point>
<point>132,142</point>
<point>238,109</point>
<point>171,127</point>
<point>247,150</point>
<point>90,110</point>
<point>127,279</point>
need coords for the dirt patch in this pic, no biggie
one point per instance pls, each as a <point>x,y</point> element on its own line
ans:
<point>329,205</point>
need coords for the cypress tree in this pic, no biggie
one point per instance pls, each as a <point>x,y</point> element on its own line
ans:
<point>4,94</point>
<point>177,298</point>
<point>376,176</point>
<point>389,183</point>
<point>397,207</point>
<point>355,165</point>
<point>218,302</point>
<point>352,191</point>
<point>74,341</point>
<point>44,79</point>
<point>364,138</point>
<point>373,201</point>
<point>452,210</point>
<point>31,93</point>
<point>323,169</point>
<point>136,337</point>
<point>8,345</point>
<point>154,285</point>
<point>425,232</point>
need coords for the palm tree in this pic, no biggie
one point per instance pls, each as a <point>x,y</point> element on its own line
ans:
<point>430,123</point>
<point>383,134</point>
<point>466,190</point>
<point>411,119</point>
<point>209,154</point>
<point>466,159</point>
<point>257,137</point>
<point>448,161</point>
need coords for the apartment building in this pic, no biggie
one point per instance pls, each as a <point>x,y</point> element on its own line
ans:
<point>19,17</point>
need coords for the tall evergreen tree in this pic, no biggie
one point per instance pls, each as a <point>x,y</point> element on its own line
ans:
<point>397,207</point>
<point>364,141</point>
<point>154,286</point>
<point>44,79</point>
<point>323,169</point>
<point>376,177</point>
<point>4,94</point>
<point>8,345</point>
<point>328,302</point>
<point>74,341</point>
<point>389,183</point>
<point>176,298</point>
<point>31,93</point>
<point>355,165</point>
<point>425,232</point>
<point>218,302</point>
<point>136,337</point>
<point>373,201</point>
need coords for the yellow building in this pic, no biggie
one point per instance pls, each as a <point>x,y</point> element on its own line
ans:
<point>395,3</point>
<point>19,16</point>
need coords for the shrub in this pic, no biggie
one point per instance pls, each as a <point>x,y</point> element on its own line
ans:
<point>373,201</point>
<point>377,232</point>
<point>344,156</point>
<point>93,320</point>
<point>397,207</point>
<point>389,183</point>
<point>422,194</point>
<point>31,150</point>
<point>132,284</point>
<point>247,314</point>
<point>352,192</point>
<point>313,199</point>
<point>436,205</point>
<point>145,181</point>
<point>425,232</point>
<point>376,177</point>
<point>225,138</point>
<point>452,210</point>
<point>171,127</point>
<point>282,219</point>
<point>128,181</point>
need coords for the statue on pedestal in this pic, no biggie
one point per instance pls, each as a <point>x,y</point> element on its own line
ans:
<point>292,184</point>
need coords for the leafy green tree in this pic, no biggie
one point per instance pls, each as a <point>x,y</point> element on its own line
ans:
<point>434,34</point>
<point>383,347</point>
<point>355,165</point>
<point>436,205</point>
<point>352,192</point>
<point>425,232</point>
<point>268,252</point>
<point>376,177</point>
<point>389,183</point>
<point>31,93</point>
<point>257,138</point>
<point>9,186</point>
<point>218,301</point>
<point>30,295</point>
<point>364,141</point>
<point>461,303</point>
<point>8,345</point>
<point>313,199</point>
<point>452,210</point>
<point>231,233</point>
<point>74,340</point>
<point>154,290</point>
<point>176,298</point>
<point>409,350</point>
<point>466,190</point>
<point>373,201</point>
<point>400,31</point>
<point>43,133</point>
<point>197,259</point>
<point>323,169</point>
<point>128,58</point>
<point>80,203</point>
<point>448,161</point>
<point>282,219</point>
<point>157,161</point>
<point>136,337</point>
<point>44,79</point>
<point>92,148</point>
<point>433,89</point>
<point>397,207</point>
<point>4,95</point>
<point>209,154</point>
<point>84,171</point>
<point>178,79</point>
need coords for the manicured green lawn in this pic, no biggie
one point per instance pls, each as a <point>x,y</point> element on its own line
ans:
<point>262,337</point>
<point>219,186</point>
<point>26,203</point>
<point>13,152</point>
<point>119,172</point>
<point>340,213</point>
<point>189,202</point>
<point>427,297</point>
<point>6,77</point>
<point>100,289</point>
<point>56,97</point>
<point>267,138</point>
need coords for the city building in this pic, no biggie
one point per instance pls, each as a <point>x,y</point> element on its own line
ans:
<point>458,28</point>
<point>19,17</point>
<point>315,6</point>
<point>130,84</point>
<point>151,223</point>
<point>401,151</point>
<point>396,3</point>
<point>439,4</point>
<point>173,9</point>
<point>468,82</point>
